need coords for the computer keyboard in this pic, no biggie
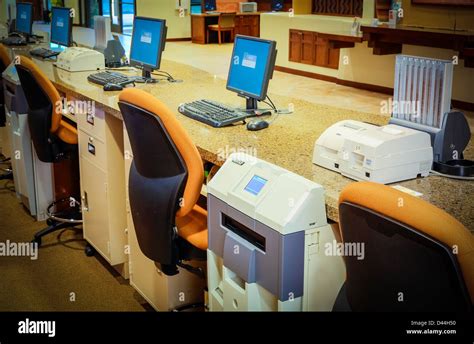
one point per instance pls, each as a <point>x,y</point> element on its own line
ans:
<point>108,77</point>
<point>44,53</point>
<point>14,40</point>
<point>212,113</point>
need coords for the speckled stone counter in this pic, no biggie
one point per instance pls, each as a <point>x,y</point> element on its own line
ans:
<point>288,142</point>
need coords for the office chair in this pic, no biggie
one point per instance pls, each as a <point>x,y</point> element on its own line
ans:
<point>417,257</point>
<point>4,63</point>
<point>55,141</point>
<point>226,23</point>
<point>165,181</point>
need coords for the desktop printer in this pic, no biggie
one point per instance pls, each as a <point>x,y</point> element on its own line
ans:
<point>385,154</point>
<point>329,144</point>
<point>78,59</point>
<point>247,7</point>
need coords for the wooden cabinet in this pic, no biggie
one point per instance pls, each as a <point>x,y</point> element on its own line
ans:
<point>245,24</point>
<point>309,48</point>
<point>248,25</point>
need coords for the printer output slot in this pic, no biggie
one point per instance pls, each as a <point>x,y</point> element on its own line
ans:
<point>244,232</point>
<point>357,160</point>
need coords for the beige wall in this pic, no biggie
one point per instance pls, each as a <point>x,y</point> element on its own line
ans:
<point>74,4</point>
<point>166,9</point>
<point>363,66</point>
<point>4,9</point>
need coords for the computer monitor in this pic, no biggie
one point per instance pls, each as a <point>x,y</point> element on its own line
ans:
<point>209,5</point>
<point>277,5</point>
<point>148,43</point>
<point>251,68</point>
<point>24,18</point>
<point>61,26</point>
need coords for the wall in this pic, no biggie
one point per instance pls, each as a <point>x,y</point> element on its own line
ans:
<point>363,66</point>
<point>166,9</point>
<point>228,5</point>
<point>445,17</point>
<point>4,9</point>
<point>74,4</point>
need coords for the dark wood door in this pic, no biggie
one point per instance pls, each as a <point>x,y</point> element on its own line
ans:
<point>307,47</point>
<point>296,41</point>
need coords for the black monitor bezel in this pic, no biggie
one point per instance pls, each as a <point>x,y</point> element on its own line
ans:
<point>31,18</point>
<point>269,68</point>
<point>161,48</point>
<point>71,23</point>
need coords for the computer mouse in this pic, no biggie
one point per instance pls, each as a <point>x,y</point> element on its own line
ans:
<point>257,125</point>
<point>112,87</point>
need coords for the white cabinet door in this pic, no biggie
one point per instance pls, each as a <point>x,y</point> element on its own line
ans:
<point>94,203</point>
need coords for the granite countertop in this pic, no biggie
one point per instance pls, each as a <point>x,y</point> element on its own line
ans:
<point>288,142</point>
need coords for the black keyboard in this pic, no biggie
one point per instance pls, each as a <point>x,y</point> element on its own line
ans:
<point>44,53</point>
<point>14,40</point>
<point>212,113</point>
<point>109,77</point>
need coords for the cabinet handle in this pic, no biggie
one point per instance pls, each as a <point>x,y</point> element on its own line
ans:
<point>91,139</point>
<point>85,202</point>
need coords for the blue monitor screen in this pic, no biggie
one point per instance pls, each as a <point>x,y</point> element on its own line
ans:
<point>277,5</point>
<point>255,185</point>
<point>24,17</point>
<point>147,42</point>
<point>250,67</point>
<point>210,5</point>
<point>61,26</point>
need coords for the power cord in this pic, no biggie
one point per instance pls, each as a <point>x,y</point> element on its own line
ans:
<point>277,111</point>
<point>167,76</point>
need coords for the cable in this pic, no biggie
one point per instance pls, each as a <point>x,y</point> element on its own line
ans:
<point>450,176</point>
<point>278,111</point>
<point>170,78</point>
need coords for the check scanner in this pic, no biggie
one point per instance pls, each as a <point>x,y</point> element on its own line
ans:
<point>384,154</point>
<point>79,59</point>
<point>267,233</point>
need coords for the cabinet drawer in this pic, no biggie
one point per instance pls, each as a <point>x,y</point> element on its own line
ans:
<point>92,149</point>
<point>92,123</point>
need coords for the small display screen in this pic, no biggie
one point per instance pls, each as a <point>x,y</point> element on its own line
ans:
<point>255,185</point>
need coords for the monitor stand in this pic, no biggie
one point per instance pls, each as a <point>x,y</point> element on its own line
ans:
<point>252,104</point>
<point>146,77</point>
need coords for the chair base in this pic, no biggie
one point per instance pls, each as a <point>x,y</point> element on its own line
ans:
<point>53,226</point>
<point>65,218</point>
<point>7,176</point>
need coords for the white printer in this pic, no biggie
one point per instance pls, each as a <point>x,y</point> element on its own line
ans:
<point>268,239</point>
<point>385,154</point>
<point>79,59</point>
<point>329,144</point>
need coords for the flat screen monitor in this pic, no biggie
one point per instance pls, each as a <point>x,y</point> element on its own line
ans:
<point>277,5</point>
<point>251,68</point>
<point>24,18</point>
<point>148,43</point>
<point>209,5</point>
<point>61,26</point>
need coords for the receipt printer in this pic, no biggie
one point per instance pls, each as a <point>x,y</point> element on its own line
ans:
<point>385,154</point>
<point>78,59</point>
<point>267,237</point>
